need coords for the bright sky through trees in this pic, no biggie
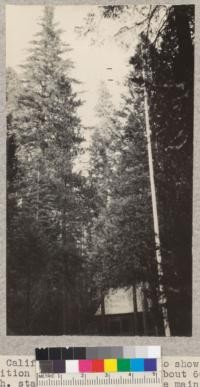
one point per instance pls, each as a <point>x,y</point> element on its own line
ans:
<point>92,63</point>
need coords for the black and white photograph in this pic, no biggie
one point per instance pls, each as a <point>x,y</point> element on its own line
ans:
<point>99,103</point>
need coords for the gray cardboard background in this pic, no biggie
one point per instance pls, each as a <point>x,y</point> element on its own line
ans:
<point>171,346</point>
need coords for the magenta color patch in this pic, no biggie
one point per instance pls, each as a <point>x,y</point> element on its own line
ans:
<point>85,365</point>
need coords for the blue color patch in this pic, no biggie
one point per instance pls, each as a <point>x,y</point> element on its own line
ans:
<point>137,365</point>
<point>150,364</point>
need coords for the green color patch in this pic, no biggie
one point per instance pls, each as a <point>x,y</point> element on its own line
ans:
<point>123,365</point>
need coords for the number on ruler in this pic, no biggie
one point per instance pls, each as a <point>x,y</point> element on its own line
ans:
<point>86,380</point>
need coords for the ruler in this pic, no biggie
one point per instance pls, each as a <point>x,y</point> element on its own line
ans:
<point>100,379</point>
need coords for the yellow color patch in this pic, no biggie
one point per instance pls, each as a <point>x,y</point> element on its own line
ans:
<point>110,365</point>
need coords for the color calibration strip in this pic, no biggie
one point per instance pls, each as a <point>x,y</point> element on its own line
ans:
<point>99,366</point>
<point>97,359</point>
<point>93,366</point>
<point>88,353</point>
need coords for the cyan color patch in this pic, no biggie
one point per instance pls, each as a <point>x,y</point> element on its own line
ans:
<point>137,365</point>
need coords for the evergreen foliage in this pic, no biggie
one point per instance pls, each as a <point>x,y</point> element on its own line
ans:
<point>49,217</point>
<point>71,238</point>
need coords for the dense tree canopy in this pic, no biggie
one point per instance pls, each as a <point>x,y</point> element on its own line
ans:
<point>49,213</point>
<point>72,237</point>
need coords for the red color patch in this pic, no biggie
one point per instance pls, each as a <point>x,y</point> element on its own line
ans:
<point>97,366</point>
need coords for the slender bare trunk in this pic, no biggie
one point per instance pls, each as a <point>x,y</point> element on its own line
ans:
<point>135,310</point>
<point>161,294</point>
<point>38,193</point>
<point>154,310</point>
<point>145,310</point>
<point>64,295</point>
<point>28,302</point>
<point>79,318</point>
<point>103,314</point>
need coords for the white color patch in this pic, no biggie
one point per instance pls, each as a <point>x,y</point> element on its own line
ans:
<point>154,352</point>
<point>72,366</point>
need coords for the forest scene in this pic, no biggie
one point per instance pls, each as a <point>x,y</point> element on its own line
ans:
<point>99,170</point>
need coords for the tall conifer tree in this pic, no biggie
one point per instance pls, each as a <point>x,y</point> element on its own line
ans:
<point>48,131</point>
